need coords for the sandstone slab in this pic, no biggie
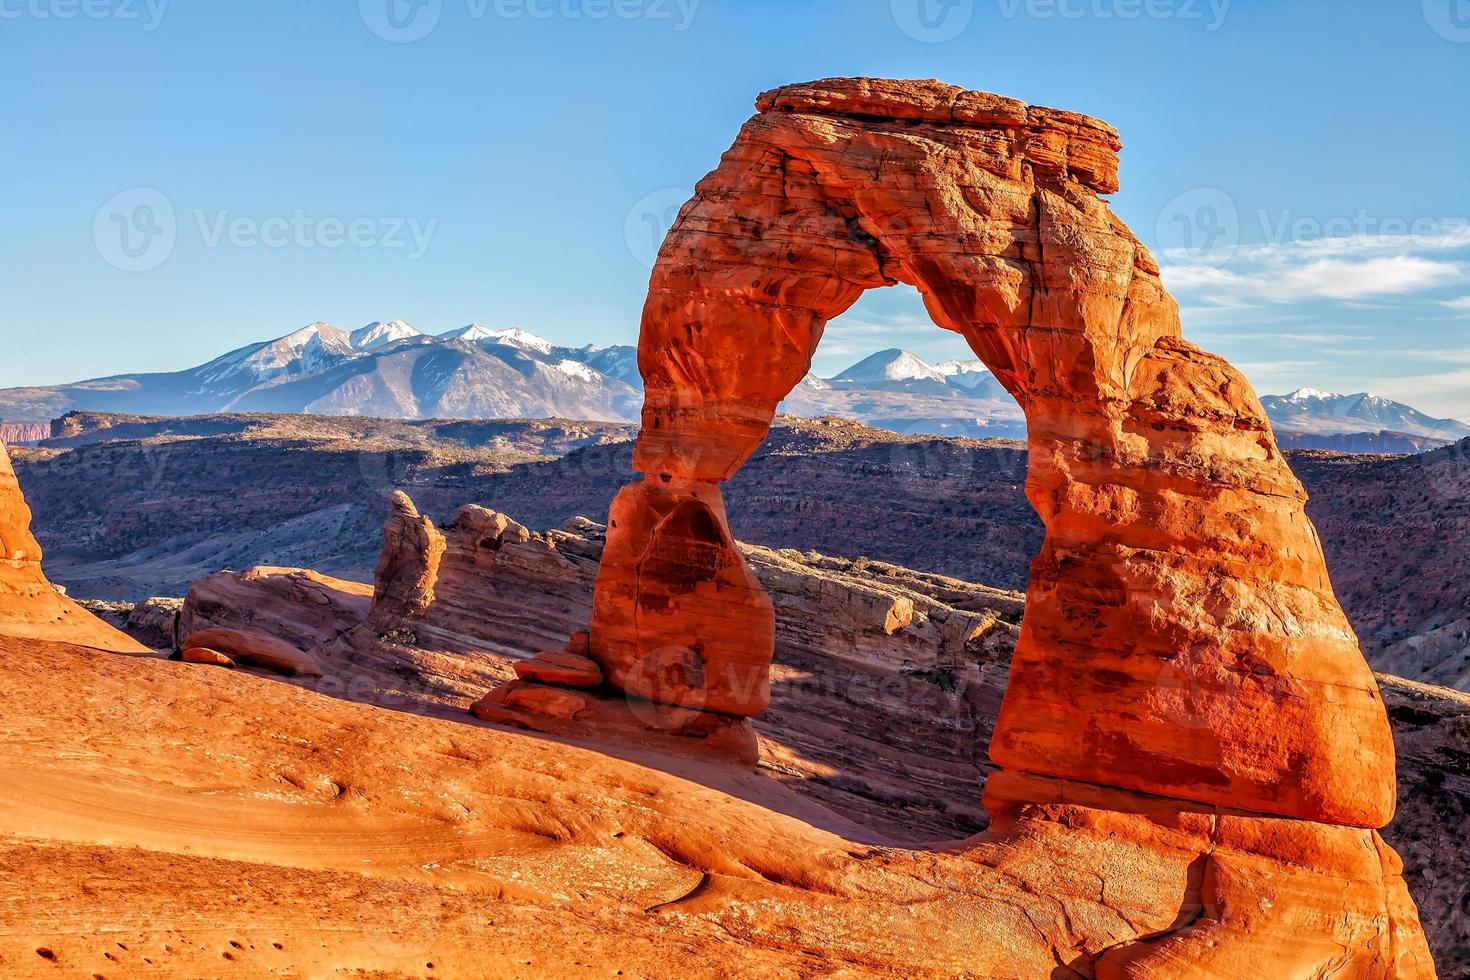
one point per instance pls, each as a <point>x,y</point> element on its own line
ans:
<point>300,606</point>
<point>561,668</point>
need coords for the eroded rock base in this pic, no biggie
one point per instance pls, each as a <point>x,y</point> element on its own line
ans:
<point>1257,895</point>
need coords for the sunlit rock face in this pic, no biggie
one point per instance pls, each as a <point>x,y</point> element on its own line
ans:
<point>30,607</point>
<point>1181,637</point>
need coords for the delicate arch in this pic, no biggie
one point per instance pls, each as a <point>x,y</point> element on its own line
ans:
<point>1179,609</point>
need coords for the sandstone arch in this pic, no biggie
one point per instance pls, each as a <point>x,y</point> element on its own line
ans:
<point>1181,635</point>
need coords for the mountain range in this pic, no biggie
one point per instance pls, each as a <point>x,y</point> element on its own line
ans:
<point>388,369</point>
<point>391,369</point>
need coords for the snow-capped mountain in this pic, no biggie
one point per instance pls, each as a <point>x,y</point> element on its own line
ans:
<point>890,365</point>
<point>1324,413</point>
<point>393,369</point>
<point>513,337</point>
<point>472,333</point>
<point>314,347</point>
<point>380,334</point>
<point>619,361</point>
<point>899,390</point>
<point>386,368</point>
<point>966,374</point>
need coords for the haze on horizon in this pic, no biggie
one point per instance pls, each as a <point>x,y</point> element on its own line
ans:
<point>180,198</point>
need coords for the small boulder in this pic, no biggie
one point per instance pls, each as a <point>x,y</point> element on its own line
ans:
<point>256,649</point>
<point>518,703</point>
<point>204,655</point>
<point>546,701</point>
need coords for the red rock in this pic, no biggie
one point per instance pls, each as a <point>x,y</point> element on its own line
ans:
<point>480,544</point>
<point>1181,635</point>
<point>531,699</point>
<point>677,616</point>
<point>256,649</point>
<point>408,568</point>
<point>204,655</point>
<point>599,719</point>
<point>1263,896</point>
<point>559,667</point>
<point>302,607</point>
<point>30,607</point>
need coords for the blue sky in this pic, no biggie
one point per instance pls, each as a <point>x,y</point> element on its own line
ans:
<point>1298,167</point>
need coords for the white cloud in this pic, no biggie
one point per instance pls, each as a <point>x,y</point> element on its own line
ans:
<point>1284,278</point>
<point>1289,337</point>
<point>1349,269</point>
<point>1462,304</point>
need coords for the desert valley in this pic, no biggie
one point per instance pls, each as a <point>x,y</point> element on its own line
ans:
<point>382,654</point>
